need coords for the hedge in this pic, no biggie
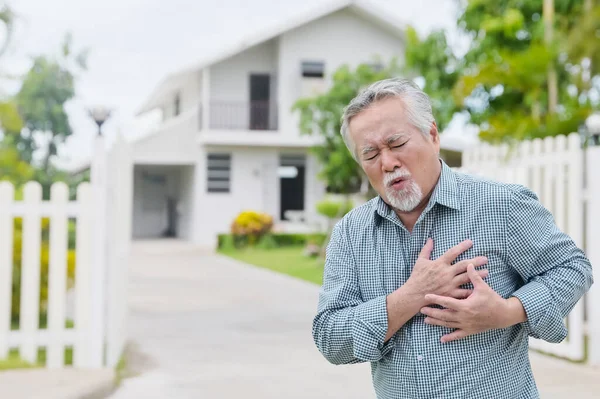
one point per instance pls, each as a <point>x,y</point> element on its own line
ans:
<point>282,239</point>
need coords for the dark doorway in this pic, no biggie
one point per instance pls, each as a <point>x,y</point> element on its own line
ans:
<point>260,88</point>
<point>292,188</point>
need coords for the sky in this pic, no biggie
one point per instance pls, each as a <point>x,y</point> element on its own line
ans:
<point>133,44</point>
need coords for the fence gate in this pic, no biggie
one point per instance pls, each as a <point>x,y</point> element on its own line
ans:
<point>554,168</point>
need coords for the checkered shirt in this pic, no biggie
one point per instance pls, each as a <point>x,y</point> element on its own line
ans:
<point>371,254</point>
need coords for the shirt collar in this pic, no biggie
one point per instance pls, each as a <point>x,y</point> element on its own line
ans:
<point>445,193</point>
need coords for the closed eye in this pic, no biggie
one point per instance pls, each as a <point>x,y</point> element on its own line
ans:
<point>400,145</point>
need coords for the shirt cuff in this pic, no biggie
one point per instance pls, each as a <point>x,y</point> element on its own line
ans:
<point>369,330</point>
<point>543,320</point>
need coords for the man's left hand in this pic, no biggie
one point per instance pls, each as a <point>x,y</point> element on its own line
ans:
<point>483,310</point>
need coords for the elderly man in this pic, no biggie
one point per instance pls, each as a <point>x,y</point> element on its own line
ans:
<point>439,280</point>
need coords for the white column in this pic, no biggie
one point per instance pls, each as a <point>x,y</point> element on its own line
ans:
<point>205,98</point>
<point>99,255</point>
<point>593,253</point>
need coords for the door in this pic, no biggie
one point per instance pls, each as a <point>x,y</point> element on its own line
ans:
<point>260,88</point>
<point>292,185</point>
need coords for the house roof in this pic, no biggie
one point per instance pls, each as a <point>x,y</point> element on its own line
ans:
<point>174,81</point>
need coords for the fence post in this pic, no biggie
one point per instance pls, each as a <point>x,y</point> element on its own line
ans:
<point>593,253</point>
<point>99,256</point>
<point>7,194</point>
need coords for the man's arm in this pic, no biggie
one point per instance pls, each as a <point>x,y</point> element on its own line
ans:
<point>346,329</point>
<point>555,271</point>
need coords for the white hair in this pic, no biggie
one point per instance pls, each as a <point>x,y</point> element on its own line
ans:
<point>417,106</point>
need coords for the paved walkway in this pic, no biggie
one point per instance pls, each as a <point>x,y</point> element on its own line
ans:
<point>205,326</point>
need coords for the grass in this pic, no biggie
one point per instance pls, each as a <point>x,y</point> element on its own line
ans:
<point>14,361</point>
<point>287,260</point>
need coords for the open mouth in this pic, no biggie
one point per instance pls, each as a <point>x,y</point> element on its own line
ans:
<point>397,181</point>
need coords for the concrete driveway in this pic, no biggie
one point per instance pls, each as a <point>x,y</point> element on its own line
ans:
<point>206,326</point>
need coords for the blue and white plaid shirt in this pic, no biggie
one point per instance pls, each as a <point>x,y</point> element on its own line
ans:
<point>371,254</point>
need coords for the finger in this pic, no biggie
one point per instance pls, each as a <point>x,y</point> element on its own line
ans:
<point>453,336</point>
<point>464,278</point>
<point>454,252</point>
<point>426,251</point>
<point>461,293</point>
<point>442,323</point>
<point>475,277</point>
<point>447,302</point>
<point>461,267</point>
<point>440,314</point>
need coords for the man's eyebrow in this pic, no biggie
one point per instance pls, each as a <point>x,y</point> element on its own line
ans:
<point>366,149</point>
<point>395,137</point>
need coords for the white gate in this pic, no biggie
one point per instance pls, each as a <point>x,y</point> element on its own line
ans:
<point>554,169</point>
<point>101,222</point>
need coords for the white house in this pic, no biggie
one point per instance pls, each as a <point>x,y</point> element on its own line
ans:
<point>229,142</point>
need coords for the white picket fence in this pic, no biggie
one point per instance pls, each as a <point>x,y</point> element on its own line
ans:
<point>101,213</point>
<point>556,170</point>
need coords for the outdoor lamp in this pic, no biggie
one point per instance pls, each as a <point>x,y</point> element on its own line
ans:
<point>100,115</point>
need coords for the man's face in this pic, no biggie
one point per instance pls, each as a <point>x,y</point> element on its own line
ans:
<point>401,163</point>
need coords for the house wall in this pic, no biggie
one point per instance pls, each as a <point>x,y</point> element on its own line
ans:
<point>230,82</point>
<point>152,185</point>
<point>190,89</point>
<point>340,38</point>
<point>254,186</point>
<point>173,143</point>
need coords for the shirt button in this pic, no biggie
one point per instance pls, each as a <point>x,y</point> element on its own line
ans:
<point>419,357</point>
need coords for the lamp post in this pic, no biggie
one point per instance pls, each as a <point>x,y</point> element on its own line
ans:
<point>96,330</point>
<point>99,115</point>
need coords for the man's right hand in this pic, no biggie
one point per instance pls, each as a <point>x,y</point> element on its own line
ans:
<point>437,276</point>
<point>440,276</point>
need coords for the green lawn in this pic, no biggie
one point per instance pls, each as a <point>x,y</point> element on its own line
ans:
<point>14,361</point>
<point>288,260</point>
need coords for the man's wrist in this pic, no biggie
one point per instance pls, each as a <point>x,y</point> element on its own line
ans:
<point>514,312</point>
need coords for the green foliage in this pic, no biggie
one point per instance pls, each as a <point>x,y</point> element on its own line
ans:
<point>322,114</point>
<point>12,168</point>
<point>504,86</point>
<point>266,242</point>
<point>432,59</point>
<point>44,262</point>
<point>334,208</point>
<point>281,240</point>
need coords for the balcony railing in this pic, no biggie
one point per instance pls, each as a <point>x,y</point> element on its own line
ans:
<point>254,115</point>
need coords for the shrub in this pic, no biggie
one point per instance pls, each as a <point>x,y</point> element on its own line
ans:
<point>266,242</point>
<point>249,226</point>
<point>334,209</point>
<point>44,261</point>
<point>280,239</point>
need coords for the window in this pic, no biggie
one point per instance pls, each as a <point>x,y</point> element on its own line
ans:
<point>218,173</point>
<point>313,69</point>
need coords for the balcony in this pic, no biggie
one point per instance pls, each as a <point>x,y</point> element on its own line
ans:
<point>253,115</point>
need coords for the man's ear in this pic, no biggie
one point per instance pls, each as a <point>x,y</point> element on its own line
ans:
<point>433,133</point>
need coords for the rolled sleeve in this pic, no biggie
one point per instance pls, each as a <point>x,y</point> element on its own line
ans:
<point>348,329</point>
<point>556,273</point>
<point>535,298</point>
<point>369,330</point>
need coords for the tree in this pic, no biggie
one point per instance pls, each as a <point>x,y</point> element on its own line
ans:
<point>321,115</point>
<point>46,88</point>
<point>432,60</point>
<point>520,80</point>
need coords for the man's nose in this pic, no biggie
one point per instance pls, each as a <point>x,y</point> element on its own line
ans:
<point>389,161</point>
